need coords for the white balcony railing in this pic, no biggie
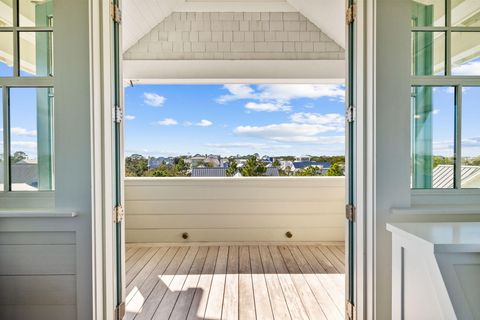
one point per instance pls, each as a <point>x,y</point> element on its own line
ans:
<point>235,209</point>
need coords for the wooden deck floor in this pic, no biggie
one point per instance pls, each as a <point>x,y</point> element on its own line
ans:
<point>235,282</point>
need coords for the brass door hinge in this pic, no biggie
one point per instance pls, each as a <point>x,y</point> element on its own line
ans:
<point>350,311</point>
<point>351,14</point>
<point>115,12</point>
<point>118,214</point>
<point>351,113</point>
<point>120,311</point>
<point>350,212</point>
<point>117,114</point>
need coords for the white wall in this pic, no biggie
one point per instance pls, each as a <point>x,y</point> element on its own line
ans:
<point>46,261</point>
<point>235,209</point>
<point>235,35</point>
<point>389,149</point>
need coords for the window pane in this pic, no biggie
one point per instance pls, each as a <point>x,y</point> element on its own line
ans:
<point>6,13</point>
<point>433,123</point>
<point>36,13</point>
<point>466,53</point>
<point>465,13</point>
<point>428,53</point>
<point>6,54</point>
<point>36,56</point>
<point>2,155</point>
<point>31,134</point>
<point>428,13</point>
<point>471,137</point>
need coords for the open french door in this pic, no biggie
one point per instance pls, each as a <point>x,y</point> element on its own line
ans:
<point>117,143</point>
<point>350,279</point>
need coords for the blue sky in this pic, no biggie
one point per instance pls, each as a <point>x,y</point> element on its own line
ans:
<point>170,120</point>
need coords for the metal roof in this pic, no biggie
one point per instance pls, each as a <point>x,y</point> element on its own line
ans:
<point>304,164</point>
<point>209,172</point>
<point>443,175</point>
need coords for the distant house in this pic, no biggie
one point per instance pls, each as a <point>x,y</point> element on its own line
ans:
<point>209,172</point>
<point>299,165</point>
<point>443,176</point>
<point>156,162</point>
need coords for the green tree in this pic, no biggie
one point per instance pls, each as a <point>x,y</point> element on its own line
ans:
<point>276,163</point>
<point>18,156</point>
<point>162,170</point>
<point>310,171</point>
<point>136,165</point>
<point>439,160</point>
<point>232,167</point>
<point>253,167</point>
<point>180,168</point>
<point>335,169</point>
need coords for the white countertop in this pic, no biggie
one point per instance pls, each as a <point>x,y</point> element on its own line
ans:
<point>443,236</point>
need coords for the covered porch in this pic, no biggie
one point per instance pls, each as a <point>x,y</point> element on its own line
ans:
<point>235,281</point>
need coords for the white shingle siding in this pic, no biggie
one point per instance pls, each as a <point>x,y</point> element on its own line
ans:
<point>235,35</point>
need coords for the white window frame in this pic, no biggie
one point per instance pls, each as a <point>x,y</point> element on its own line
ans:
<point>456,195</point>
<point>16,81</point>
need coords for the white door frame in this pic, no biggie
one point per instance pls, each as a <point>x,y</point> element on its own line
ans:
<point>102,226</point>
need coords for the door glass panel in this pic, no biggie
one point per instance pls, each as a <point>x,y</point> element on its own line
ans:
<point>6,54</point>
<point>465,13</point>
<point>31,136</point>
<point>471,137</point>
<point>2,155</point>
<point>428,13</point>
<point>466,53</point>
<point>6,13</point>
<point>35,13</point>
<point>428,53</point>
<point>36,55</point>
<point>433,133</point>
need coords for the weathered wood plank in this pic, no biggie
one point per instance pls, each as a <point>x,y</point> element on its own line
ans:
<point>263,306</point>
<point>140,264</point>
<point>245,287</point>
<point>337,295</point>
<point>140,278</point>
<point>137,296</point>
<point>161,287</point>
<point>277,298</point>
<point>202,291</point>
<point>230,300</point>
<point>184,301</point>
<point>167,304</point>
<point>215,298</point>
<point>319,289</point>
<point>304,291</point>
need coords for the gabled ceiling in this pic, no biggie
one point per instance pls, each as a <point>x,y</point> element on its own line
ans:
<point>141,16</point>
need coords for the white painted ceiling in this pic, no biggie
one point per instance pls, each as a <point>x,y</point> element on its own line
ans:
<point>140,16</point>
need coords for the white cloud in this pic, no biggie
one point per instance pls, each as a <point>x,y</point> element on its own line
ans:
<point>237,92</point>
<point>27,145</point>
<point>227,147</point>
<point>129,117</point>
<point>287,92</point>
<point>204,123</point>
<point>23,132</point>
<point>334,119</point>
<point>268,107</point>
<point>153,99</point>
<point>168,122</point>
<point>467,69</point>
<point>292,132</point>
<point>282,93</point>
